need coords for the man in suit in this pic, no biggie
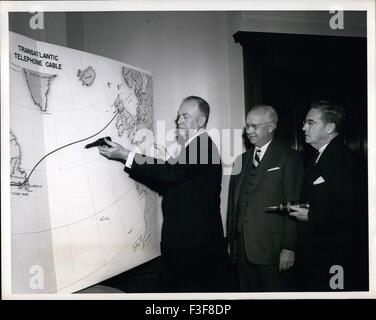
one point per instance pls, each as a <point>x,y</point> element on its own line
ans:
<point>327,231</point>
<point>263,243</point>
<point>192,246</point>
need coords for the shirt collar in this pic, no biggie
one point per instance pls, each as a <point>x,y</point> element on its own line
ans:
<point>321,150</point>
<point>263,149</point>
<point>200,131</point>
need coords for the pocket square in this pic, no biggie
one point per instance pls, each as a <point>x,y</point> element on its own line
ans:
<point>319,180</point>
<point>272,169</point>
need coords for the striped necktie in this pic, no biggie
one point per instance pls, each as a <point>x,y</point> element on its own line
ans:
<point>256,160</point>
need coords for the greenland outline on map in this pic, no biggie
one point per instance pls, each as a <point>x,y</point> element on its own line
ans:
<point>76,217</point>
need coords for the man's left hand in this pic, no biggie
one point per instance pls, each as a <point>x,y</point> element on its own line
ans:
<point>301,214</point>
<point>286,259</point>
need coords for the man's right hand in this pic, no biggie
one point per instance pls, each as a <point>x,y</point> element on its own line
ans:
<point>114,151</point>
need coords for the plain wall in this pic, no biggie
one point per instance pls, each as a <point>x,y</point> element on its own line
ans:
<point>186,53</point>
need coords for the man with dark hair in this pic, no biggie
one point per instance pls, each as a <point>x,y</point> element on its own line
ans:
<point>263,243</point>
<point>202,105</point>
<point>325,231</point>
<point>192,246</point>
<point>330,113</point>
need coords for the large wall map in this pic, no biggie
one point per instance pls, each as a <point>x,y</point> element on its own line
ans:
<point>76,217</point>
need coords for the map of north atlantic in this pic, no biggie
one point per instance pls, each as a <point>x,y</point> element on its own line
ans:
<point>76,216</point>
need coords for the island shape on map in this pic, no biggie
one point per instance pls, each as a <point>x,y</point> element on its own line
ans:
<point>39,87</point>
<point>18,176</point>
<point>86,76</point>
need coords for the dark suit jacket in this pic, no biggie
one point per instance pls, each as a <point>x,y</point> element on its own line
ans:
<point>191,187</point>
<point>325,239</point>
<point>265,234</point>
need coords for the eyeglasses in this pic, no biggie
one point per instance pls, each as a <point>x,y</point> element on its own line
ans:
<point>310,122</point>
<point>254,126</point>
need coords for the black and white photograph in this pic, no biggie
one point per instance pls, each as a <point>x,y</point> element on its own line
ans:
<point>204,150</point>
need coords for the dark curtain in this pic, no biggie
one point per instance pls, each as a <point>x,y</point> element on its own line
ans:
<point>290,71</point>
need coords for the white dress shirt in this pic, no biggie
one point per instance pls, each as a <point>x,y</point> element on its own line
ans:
<point>321,150</point>
<point>132,154</point>
<point>262,150</point>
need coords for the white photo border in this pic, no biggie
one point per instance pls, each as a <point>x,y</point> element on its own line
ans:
<point>194,5</point>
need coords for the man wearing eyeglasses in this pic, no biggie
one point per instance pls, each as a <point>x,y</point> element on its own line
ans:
<point>325,230</point>
<point>262,243</point>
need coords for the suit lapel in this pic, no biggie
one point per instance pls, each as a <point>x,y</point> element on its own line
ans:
<point>309,174</point>
<point>324,164</point>
<point>245,170</point>
<point>270,157</point>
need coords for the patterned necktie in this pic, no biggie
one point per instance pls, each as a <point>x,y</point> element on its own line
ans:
<point>256,160</point>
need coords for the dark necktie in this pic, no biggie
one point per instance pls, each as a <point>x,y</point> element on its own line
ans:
<point>311,168</point>
<point>316,155</point>
<point>256,160</point>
